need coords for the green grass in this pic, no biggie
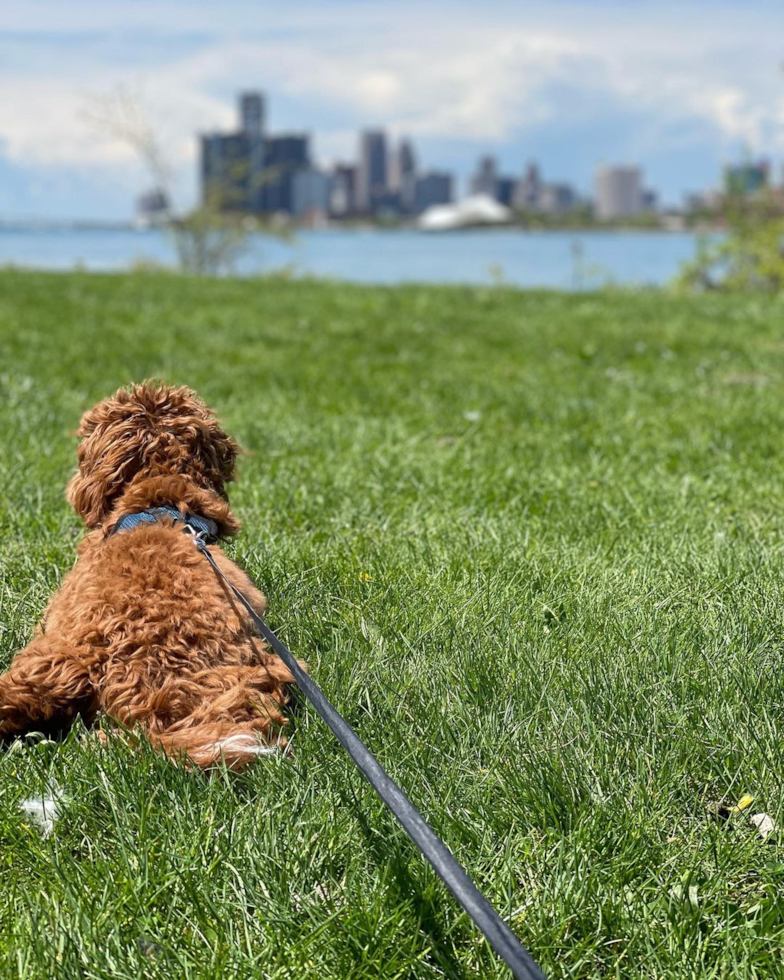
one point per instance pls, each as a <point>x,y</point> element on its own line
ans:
<point>531,546</point>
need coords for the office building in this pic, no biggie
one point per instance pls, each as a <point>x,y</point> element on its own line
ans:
<point>504,190</point>
<point>372,188</point>
<point>225,172</point>
<point>619,192</point>
<point>485,180</point>
<point>252,126</point>
<point>343,187</point>
<point>284,156</point>
<point>555,199</point>
<point>527,190</point>
<point>434,187</point>
<point>402,177</point>
<point>252,113</point>
<point>310,194</point>
<point>248,170</point>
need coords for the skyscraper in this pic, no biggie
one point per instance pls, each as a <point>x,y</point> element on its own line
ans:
<point>252,126</point>
<point>252,113</point>
<point>434,187</point>
<point>527,192</point>
<point>248,170</point>
<point>311,191</point>
<point>504,190</point>
<point>225,172</point>
<point>403,181</point>
<point>232,164</point>
<point>618,192</point>
<point>372,171</point>
<point>485,180</point>
<point>343,195</point>
<point>556,199</point>
<point>284,156</point>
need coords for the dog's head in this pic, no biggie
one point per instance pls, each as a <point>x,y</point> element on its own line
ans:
<point>147,430</point>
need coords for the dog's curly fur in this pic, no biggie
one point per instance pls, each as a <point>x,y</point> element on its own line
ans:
<point>142,630</point>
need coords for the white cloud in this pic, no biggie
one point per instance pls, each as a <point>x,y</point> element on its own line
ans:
<point>46,122</point>
<point>461,90</point>
<point>733,114</point>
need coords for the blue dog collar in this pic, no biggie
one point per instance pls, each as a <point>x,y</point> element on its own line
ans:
<point>203,526</point>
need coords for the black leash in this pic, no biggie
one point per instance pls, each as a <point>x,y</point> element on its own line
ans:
<point>496,931</point>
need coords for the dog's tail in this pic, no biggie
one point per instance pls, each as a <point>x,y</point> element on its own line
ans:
<point>209,744</point>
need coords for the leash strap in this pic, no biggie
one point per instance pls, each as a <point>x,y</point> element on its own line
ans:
<point>495,930</point>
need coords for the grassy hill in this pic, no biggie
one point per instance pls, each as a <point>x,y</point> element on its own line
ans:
<point>531,546</point>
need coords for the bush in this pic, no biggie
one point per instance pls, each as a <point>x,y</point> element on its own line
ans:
<point>751,256</point>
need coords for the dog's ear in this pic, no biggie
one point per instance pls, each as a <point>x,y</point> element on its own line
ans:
<point>211,450</point>
<point>191,440</point>
<point>107,455</point>
<point>147,430</point>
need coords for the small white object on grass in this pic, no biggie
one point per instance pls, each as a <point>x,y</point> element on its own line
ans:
<point>765,824</point>
<point>44,810</point>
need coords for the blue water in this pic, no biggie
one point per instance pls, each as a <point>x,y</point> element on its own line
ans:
<point>555,259</point>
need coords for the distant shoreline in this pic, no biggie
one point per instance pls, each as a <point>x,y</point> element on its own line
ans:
<point>87,225</point>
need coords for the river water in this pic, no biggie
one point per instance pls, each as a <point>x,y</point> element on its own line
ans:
<point>554,259</point>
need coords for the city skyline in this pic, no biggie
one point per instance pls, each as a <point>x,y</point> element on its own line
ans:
<point>251,170</point>
<point>255,171</point>
<point>678,90</point>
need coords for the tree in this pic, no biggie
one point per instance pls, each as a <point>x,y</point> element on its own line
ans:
<point>750,258</point>
<point>209,239</point>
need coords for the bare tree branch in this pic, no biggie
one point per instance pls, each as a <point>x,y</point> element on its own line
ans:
<point>207,240</point>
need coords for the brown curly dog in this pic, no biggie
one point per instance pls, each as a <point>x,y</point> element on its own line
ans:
<point>142,629</point>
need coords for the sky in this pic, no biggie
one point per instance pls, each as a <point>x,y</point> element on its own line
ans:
<point>679,89</point>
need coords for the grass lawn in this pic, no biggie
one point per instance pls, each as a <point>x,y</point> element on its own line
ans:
<point>531,546</point>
